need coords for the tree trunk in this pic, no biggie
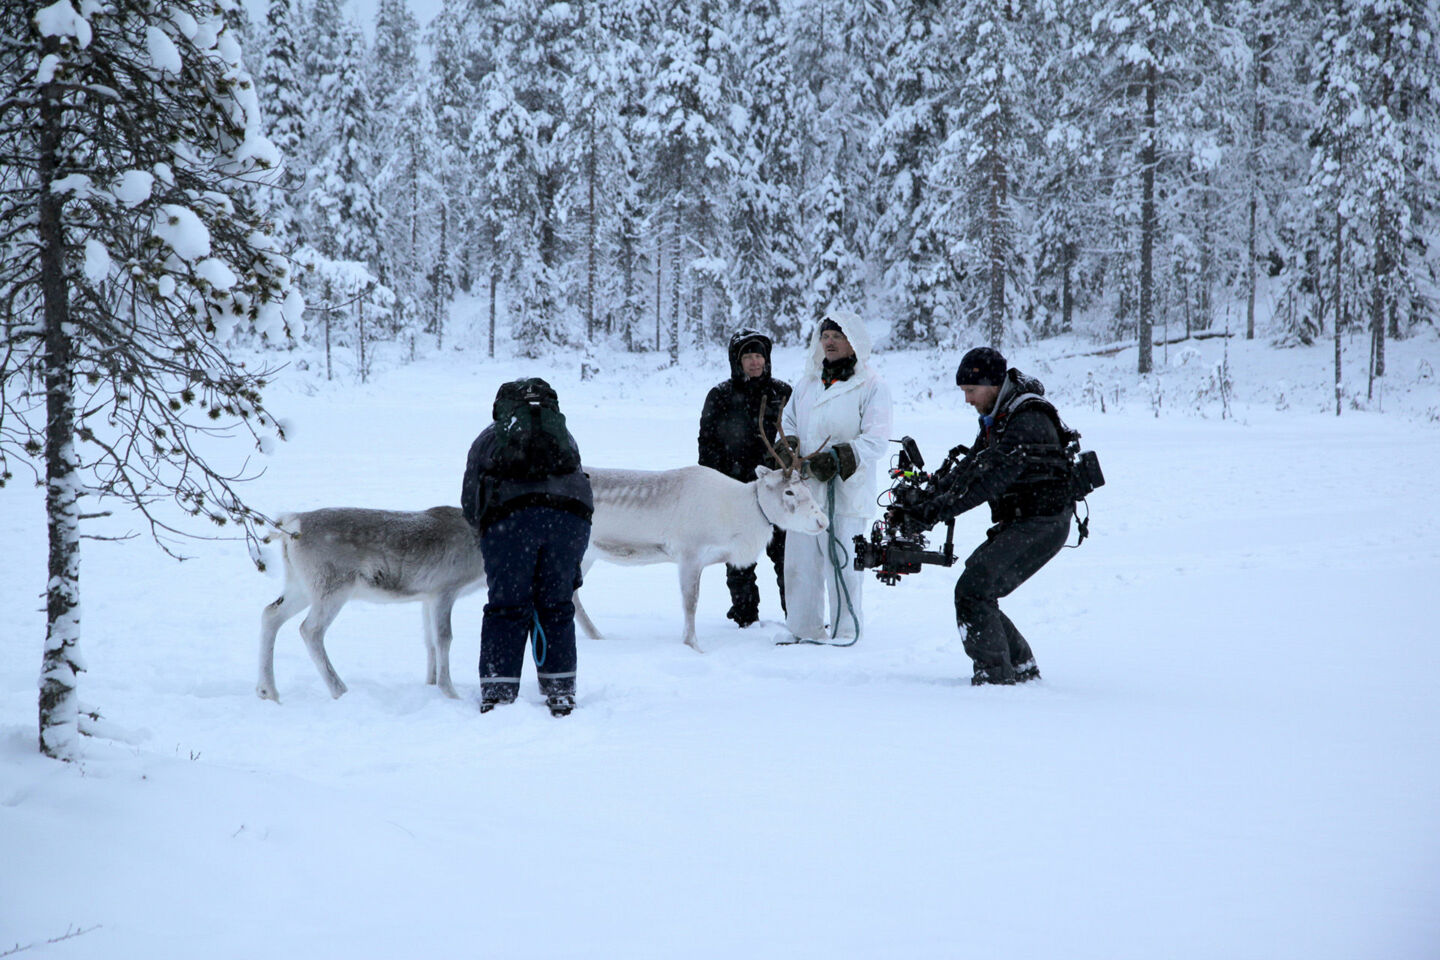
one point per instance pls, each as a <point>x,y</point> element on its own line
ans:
<point>59,708</point>
<point>1378,301</point>
<point>1205,282</point>
<point>1258,76</point>
<point>494,232</point>
<point>1147,224</point>
<point>676,306</point>
<point>592,240</point>
<point>325,312</point>
<point>1067,293</point>
<point>494,286</point>
<point>1339,319</point>
<point>1250,270</point>
<point>996,216</point>
<point>360,334</point>
<point>442,276</point>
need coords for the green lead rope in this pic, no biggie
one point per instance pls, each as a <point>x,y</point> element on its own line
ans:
<point>839,557</point>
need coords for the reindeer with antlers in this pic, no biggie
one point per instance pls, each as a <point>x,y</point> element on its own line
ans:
<point>695,517</point>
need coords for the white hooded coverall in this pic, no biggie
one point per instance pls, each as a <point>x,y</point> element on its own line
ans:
<point>854,411</point>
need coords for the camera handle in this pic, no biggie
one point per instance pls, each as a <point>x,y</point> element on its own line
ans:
<point>949,541</point>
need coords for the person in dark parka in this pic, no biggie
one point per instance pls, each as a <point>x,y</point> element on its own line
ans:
<point>1017,466</point>
<point>730,441</point>
<point>533,534</point>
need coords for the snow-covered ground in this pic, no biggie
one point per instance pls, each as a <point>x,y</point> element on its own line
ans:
<point>1235,750</point>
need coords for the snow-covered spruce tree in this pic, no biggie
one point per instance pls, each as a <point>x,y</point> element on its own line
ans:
<point>629,75</point>
<point>1338,138</point>
<point>453,98</point>
<point>342,213</point>
<point>769,256</point>
<point>1262,49</point>
<point>923,72</point>
<point>687,117</point>
<point>1143,51</point>
<point>129,255</point>
<point>279,82</point>
<point>835,266</point>
<point>1064,186</point>
<point>541,52</point>
<point>409,191</point>
<point>391,72</point>
<point>392,64</point>
<point>1396,42</point>
<point>979,166</point>
<point>840,48</point>
<point>501,138</point>
<point>592,91</point>
<point>1416,55</point>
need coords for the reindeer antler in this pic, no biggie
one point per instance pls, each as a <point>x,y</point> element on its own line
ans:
<point>790,462</point>
<point>787,463</point>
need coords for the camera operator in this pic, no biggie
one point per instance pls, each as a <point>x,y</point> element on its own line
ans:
<point>1017,465</point>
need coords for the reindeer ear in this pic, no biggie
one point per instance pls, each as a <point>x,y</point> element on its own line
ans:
<point>762,471</point>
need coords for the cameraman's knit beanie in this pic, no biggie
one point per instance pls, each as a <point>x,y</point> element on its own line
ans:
<point>981,367</point>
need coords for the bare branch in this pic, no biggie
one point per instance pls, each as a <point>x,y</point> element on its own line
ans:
<point>69,934</point>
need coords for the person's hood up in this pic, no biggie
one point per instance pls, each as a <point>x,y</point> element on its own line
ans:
<point>854,329</point>
<point>738,341</point>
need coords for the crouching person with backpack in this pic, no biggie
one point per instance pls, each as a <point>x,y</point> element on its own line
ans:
<point>530,504</point>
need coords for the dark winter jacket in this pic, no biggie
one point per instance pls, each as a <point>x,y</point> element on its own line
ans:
<point>1016,464</point>
<point>730,438</point>
<point>486,497</point>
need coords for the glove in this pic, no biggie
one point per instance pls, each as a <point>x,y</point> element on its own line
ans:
<point>785,449</point>
<point>838,460</point>
<point>822,466</point>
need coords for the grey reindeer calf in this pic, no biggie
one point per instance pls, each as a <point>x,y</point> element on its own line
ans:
<point>335,554</point>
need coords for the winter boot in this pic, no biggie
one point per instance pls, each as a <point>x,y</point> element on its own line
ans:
<point>743,616</point>
<point>560,704</point>
<point>1027,671</point>
<point>489,703</point>
<point>984,676</point>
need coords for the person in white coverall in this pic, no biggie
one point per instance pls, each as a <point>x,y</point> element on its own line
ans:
<point>840,413</point>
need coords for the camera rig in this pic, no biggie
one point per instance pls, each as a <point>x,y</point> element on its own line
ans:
<point>895,546</point>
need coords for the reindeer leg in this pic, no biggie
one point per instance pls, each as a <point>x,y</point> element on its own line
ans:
<point>427,615</point>
<point>689,597</point>
<point>272,618</point>
<point>439,649</point>
<point>581,617</point>
<point>312,631</point>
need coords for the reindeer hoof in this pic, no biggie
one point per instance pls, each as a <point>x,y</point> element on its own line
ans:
<point>694,644</point>
<point>267,693</point>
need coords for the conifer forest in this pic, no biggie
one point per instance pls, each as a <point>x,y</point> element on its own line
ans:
<point>653,175</point>
<point>650,176</point>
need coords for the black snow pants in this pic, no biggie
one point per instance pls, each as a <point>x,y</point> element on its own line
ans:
<point>745,592</point>
<point>532,569</point>
<point>1011,554</point>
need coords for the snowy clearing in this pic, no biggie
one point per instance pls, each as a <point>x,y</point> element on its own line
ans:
<point>1233,752</point>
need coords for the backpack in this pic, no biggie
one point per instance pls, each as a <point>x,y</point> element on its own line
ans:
<point>1082,468</point>
<point>532,442</point>
<point>1079,469</point>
